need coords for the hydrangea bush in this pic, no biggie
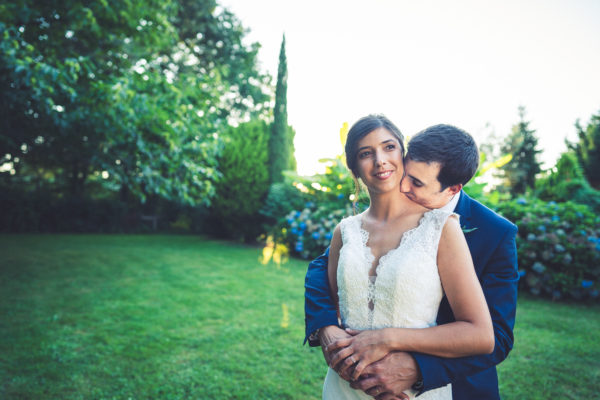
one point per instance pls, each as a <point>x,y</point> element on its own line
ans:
<point>558,246</point>
<point>308,232</point>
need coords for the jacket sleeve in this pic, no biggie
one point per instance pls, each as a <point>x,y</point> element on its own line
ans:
<point>319,308</point>
<point>499,283</point>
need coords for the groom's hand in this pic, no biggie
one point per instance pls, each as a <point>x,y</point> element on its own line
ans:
<point>328,335</point>
<point>389,377</point>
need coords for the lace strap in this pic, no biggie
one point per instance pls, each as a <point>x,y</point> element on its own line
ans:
<point>435,220</point>
<point>350,229</point>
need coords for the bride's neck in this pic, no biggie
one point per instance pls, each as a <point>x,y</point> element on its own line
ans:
<point>384,207</point>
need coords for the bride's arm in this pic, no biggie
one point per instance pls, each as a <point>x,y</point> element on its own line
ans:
<point>332,264</point>
<point>333,333</point>
<point>472,332</point>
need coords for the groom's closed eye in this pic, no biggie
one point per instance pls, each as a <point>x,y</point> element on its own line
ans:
<point>415,181</point>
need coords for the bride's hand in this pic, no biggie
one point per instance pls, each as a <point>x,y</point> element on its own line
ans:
<point>361,350</point>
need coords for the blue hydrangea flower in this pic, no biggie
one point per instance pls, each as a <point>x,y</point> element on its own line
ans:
<point>294,231</point>
<point>538,267</point>
<point>521,200</point>
<point>299,246</point>
<point>531,236</point>
<point>302,225</point>
<point>290,220</point>
<point>340,196</point>
<point>542,228</point>
<point>551,203</point>
<point>555,218</point>
<point>598,247</point>
<point>586,284</point>
<point>591,239</point>
<point>298,214</point>
<point>328,236</point>
<point>316,235</point>
<point>559,248</point>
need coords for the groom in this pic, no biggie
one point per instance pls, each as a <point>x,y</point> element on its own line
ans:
<point>440,160</point>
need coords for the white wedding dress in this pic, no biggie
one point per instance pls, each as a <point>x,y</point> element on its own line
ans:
<point>406,292</point>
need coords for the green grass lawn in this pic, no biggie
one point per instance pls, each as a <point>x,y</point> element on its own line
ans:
<point>177,317</point>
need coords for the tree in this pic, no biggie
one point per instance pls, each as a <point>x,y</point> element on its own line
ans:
<point>244,183</point>
<point>519,174</point>
<point>56,63</point>
<point>566,182</point>
<point>281,142</point>
<point>129,95</point>
<point>587,149</point>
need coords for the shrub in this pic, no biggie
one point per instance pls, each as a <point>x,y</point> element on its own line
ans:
<point>329,197</point>
<point>283,197</point>
<point>244,184</point>
<point>558,246</point>
<point>41,210</point>
<point>307,233</point>
<point>565,182</point>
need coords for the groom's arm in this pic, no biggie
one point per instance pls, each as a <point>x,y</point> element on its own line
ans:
<point>319,308</point>
<point>499,283</point>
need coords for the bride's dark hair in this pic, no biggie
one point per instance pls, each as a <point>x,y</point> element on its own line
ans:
<point>359,130</point>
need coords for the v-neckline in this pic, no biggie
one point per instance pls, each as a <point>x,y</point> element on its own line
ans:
<point>369,252</point>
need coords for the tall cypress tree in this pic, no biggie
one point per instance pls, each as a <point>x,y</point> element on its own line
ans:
<point>522,143</point>
<point>281,144</point>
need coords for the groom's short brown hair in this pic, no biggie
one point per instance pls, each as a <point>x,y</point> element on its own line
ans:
<point>453,148</point>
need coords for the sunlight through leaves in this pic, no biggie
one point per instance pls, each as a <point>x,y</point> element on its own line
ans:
<point>272,251</point>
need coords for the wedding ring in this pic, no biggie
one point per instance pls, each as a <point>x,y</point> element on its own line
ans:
<point>352,359</point>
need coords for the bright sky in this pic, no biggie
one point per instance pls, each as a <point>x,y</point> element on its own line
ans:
<point>469,63</point>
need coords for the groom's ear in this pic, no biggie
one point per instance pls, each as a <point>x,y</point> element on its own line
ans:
<point>454,188</point>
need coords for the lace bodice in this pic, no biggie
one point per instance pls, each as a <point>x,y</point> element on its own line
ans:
<point>407,291</point>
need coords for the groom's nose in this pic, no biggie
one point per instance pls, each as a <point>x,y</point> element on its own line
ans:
<point>404,185</point>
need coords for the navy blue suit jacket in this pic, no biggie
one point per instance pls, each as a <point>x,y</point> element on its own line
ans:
<point>491,240</point>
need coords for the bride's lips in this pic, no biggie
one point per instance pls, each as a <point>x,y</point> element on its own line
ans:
<point>383,175</point>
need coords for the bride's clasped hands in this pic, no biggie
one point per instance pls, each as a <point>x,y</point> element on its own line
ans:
<point>356,352</point>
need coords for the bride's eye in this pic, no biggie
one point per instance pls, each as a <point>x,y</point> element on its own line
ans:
<point>364,154</point>
<point>390,146</point>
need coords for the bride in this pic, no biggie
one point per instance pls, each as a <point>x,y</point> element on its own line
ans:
<point>390,267</point>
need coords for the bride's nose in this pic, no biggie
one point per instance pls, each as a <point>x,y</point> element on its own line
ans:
<point>380,159</point>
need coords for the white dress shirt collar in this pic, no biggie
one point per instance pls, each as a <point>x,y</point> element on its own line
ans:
<point>451,205</point>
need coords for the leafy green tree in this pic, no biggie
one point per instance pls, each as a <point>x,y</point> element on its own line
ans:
<point>281,142</point>
<point>211,43</point>
<point>56,61</point>
<point>128,95</point>
<point>244,183</point>
<point>519,174</point>
<point>587,149</point>
<point>566,182</point>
